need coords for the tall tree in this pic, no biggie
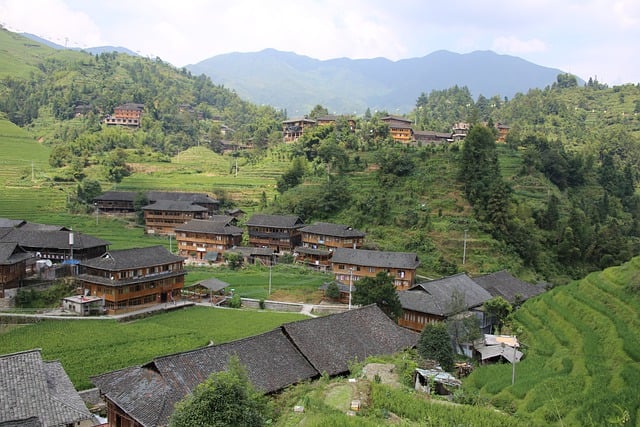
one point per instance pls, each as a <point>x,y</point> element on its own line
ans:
<point>435,344</point>
<point>381,291</point>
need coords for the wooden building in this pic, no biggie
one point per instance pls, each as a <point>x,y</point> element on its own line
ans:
<point>164,216</point>
<point>432,137</point>
<point>436,300</point>
<point>124,201</point>
<point>350,265</point>
<point>133,278</point>
<point>55,245</point>
<point>503,131</point>
<point>293,129</point>
<point>206,240</point>
<point>321,238</point>
<point>399,128</point>
<point>13,265</point>
<point>278,232</point>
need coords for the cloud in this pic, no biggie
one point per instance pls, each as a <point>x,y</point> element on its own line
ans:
<point>514,45</point>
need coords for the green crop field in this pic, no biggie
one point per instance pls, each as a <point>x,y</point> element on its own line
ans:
<point>91,347</point>
<point>582,354</point>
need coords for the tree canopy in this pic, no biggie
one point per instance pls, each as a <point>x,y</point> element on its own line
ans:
<point>381,291</point>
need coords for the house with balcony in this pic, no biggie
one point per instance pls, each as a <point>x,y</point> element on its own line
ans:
<point>53,244</point>
<point>320,239</point>
<point>206,240</point>
<point>163,216</point>
<point>399,128</point>
<point>351,265</point>
<point>124,201</point>
<point>133,278</point>
<point>13,265</point>
<point>432,137</point>
<point>277,232</point>
<point>293,129</point>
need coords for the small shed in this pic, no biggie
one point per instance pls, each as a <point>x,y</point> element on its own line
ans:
<point>494,348</point>
<point>208,288</point>
<point>441,380</point>
<point>84,305</point>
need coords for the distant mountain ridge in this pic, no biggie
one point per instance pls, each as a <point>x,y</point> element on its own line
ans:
<point>297,83</point>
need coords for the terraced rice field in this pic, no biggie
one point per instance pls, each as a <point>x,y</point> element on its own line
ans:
<point>582,354</point>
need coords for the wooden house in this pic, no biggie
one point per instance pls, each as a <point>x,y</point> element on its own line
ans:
<point>124,201</point>
<point>252,255</point>
<point>163,216</point>
<point>504,284</point>
<point>145,395</point>
<point>436,300</point>
<point>55,245</point>
<point>205,240</point>
<point>321,238</point>
<point>293,129</point>
<point>399,128</point>
<point>350,265</point>
<point>432,137</point>
<point>503,131</point>
<point>128,114</point>
<point>35,392</point>
<point>278,232</point>
<point>131,278</point>
<point>13,265</point>
<point>460,130</point>
<point>331,119</point>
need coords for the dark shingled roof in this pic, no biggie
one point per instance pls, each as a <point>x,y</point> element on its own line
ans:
<point>329,229</point>
<point>503,284</point>
<point>32,388</point>
<point>173,205</point>
<point>132,258</point>
<point>276,221</point>
<point>330,343</point>
<point>252,251</point>
<point>274,360</point>
<point>311,251</point>
<point>7,223</point>
<point>52,239</point>
<point>211,227</point>
<point>122,196</point>
<point>180,196</point>
<point>381,259</point>
<point>212,284</point>
<point>11,253</point>
<point>435,297</point>
<point>149,392</point>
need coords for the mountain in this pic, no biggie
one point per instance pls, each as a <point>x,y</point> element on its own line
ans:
<point>297,83</point>
<point>93,50</point>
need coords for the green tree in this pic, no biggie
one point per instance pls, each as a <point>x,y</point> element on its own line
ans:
<point>500,309</point>
<point>226,398</point>
<point>88,190</point>
<point>462,325</point>
<point>378,290</point>
<point>318,111</point>
<point>141,200</point>
<point>435,344</point>
<point>333,291</point>
<point>293,176</point>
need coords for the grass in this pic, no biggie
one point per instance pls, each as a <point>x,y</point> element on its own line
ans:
<point>582,353</point>
<point>91,347</point>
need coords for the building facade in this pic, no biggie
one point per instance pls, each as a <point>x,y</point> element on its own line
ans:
<point>278,232</point>
<point>164,216</point>
<point>206,240</point>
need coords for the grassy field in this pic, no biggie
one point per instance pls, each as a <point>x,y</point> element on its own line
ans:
<point>91,347</point>
<point>582,354</point>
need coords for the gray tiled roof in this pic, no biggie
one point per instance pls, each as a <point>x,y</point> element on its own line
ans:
<point>11,253</point>
<point>6,222</point>
<point>276,221</point>
<point>329,229</point>
<point>149,392</point>
<point>381,259</point>
<point>287,355</point>
<point>132,258</point>
<point>52,239</point>
<point>212,284</point>
<point>211,227</point>
<point>180,196</point>
<point>503,284</point>
<point>31,388</point>
<point>436,296</point>
<point>330,343</point>
<point>174,205</point>
<point>122,196</point>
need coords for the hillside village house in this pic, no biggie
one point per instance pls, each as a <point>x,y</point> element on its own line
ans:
<point>432,137</point>
<point>38,393</point>
<point>350,265</point>
<point>293,129</point>
<point>163,216</point>
<point>206,240</point>
<point>399,128</point>
<point>321,238</point>
<point>253,255</point>
<point>128,114</point>
<point>57,246</point>
<point>278,232</point>
<point>124,201</point>
<point>145,395</point>
<point>131,278</point>
<point>13,265</point>
<point>504,284</point>
<point>503,131</point>
<point>436,300</point>
<point>331,119</point>
<point>460,130</point>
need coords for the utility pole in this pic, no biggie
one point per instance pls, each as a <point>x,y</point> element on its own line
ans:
<point>270,268</point>
<point>350,285</point>
<point>464,248</point>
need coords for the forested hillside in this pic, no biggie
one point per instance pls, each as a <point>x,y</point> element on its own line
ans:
<point>556,201</point>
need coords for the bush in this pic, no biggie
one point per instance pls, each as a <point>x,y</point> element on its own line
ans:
<point>235,301</point>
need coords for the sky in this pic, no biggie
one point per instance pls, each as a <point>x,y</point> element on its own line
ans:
<point>588,38</point>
